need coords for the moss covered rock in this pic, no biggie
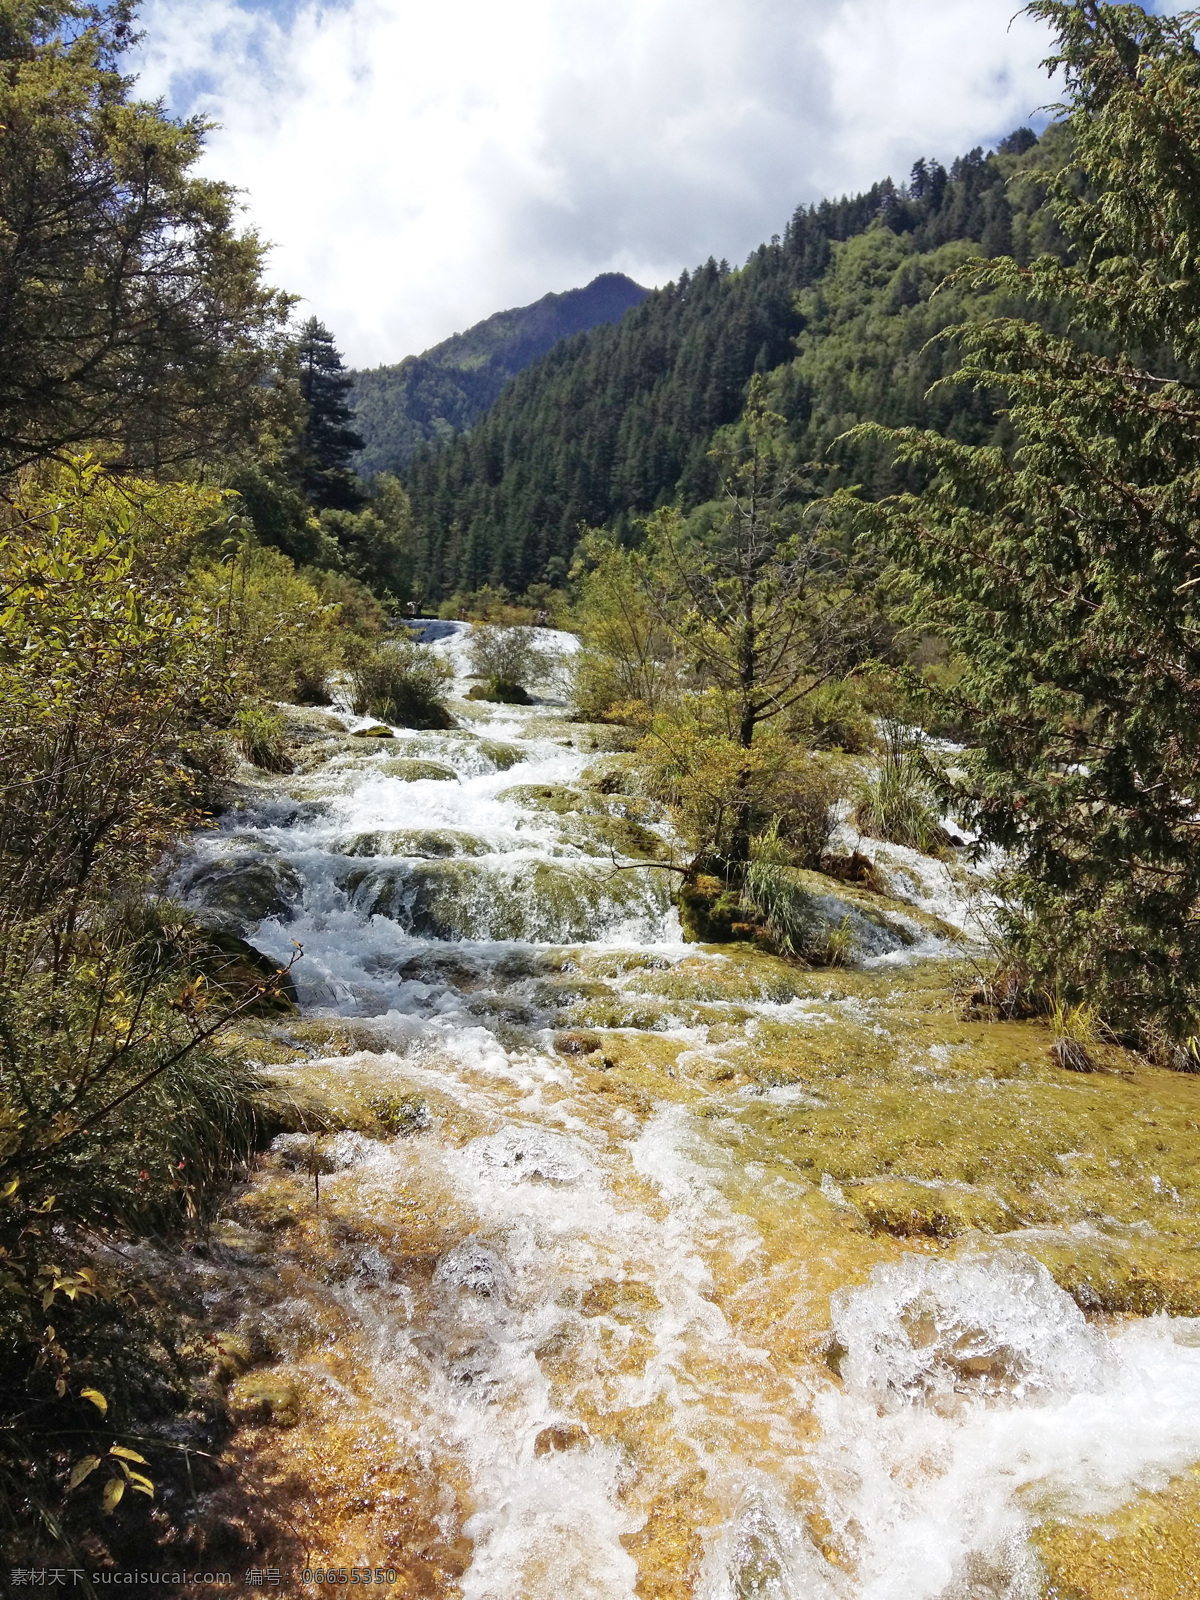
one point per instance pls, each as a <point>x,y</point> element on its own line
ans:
<point>414,770</point>
<point>501,755</point>
<point>425,842</point>
<point>555,797</point>
<point>234,893</point>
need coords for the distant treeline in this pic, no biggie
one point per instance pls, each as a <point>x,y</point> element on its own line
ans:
<point>614,422</point>
<point>446,390</point>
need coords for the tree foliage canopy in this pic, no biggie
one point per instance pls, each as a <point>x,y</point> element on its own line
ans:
<point>1066,569</point>
<point>133,315</point>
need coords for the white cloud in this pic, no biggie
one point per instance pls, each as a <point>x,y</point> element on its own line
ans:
<point>419,166</point>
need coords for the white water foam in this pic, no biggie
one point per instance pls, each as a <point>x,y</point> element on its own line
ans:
<point>977,1401</point>
<point>974,1398</point>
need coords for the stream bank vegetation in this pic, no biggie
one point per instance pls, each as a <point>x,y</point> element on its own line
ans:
<point>151,613</point>
<point>122,1115</point>
<point>402,683</point>
<point>1061,569</point>
<point>730,643</point>
<point>1043,565</point>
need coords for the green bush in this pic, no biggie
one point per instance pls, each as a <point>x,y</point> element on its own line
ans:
<point>508,660</point>
<point>405,684</point>
<point>118,1112</point>
<point>260,737</point>
<point>834,717</point>
<point>280,638</point>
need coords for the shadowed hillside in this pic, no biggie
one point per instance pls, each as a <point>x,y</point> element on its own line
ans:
<point>445,390</point>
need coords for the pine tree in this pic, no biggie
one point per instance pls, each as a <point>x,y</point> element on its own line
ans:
<point>133,313</point>
<point>1065,570</point>
<point>329,440</point>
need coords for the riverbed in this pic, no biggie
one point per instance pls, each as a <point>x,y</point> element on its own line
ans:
<point>600,1264</point>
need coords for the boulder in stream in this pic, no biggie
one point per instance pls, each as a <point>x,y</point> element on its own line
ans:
<point>234,893</point>
<point>414,770</point>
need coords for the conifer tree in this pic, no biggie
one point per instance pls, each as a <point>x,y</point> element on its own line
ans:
<point>329,441</point>
<point>1065,571</point>
<point>133,315</point>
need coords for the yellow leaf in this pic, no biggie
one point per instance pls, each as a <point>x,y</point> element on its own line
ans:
<point>113,1490</point>
<point>127,1455</point>
<point>9,1189</point>
<point>140,1484</point>
<point>97,1400</point>
<point>81,1470</point>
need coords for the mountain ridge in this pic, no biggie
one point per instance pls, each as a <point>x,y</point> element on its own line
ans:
<point>837,313</point>
<point>444,390</point>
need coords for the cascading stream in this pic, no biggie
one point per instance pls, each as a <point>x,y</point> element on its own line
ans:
<point>579,1322</point>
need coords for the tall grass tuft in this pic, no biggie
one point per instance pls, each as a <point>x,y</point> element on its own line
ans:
<point>898,804</point>
<point>260,738</point>
<point>796,925</point>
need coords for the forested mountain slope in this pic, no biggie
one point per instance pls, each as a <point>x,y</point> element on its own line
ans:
<point>618,420</point>
<point>443,391</point>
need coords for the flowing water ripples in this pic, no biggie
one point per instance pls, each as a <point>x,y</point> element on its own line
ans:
<point>569,1337</point>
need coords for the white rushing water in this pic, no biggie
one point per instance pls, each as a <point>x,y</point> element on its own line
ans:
<point>599,1254</point>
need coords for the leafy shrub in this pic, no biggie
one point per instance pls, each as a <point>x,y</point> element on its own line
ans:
<point>508,660</point>
<point>720,794</point>
<point>110,679</point>
<point>402,683</point>
<point>358,611</point>
<point>628,665</point>
<point>280,639</point>
<point>833,717</point>
<point>260,737</point>
<point>117,1110</point>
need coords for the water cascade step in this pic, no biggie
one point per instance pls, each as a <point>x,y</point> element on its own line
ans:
<point>604,1265</point>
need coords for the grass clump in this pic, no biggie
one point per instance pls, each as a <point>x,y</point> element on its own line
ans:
<point>797,926</point>
<point>405,684</point>
<point>260,738</point>
<point>898,804</point>
<point>1074,1029</point>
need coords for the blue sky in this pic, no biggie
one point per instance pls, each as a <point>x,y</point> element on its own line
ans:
<point>418,166</point>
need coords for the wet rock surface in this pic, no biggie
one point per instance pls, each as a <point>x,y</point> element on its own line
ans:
<point>237,892</point>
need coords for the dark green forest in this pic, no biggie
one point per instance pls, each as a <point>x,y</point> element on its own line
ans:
<point>838,310</point>
<point>433,396</point>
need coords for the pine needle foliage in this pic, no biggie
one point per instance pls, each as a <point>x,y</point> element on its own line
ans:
<point>1066,569</point>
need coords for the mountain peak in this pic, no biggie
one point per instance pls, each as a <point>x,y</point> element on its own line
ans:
<point>447,388</point>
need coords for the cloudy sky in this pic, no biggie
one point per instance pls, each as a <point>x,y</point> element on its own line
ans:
<point>419,164</point>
